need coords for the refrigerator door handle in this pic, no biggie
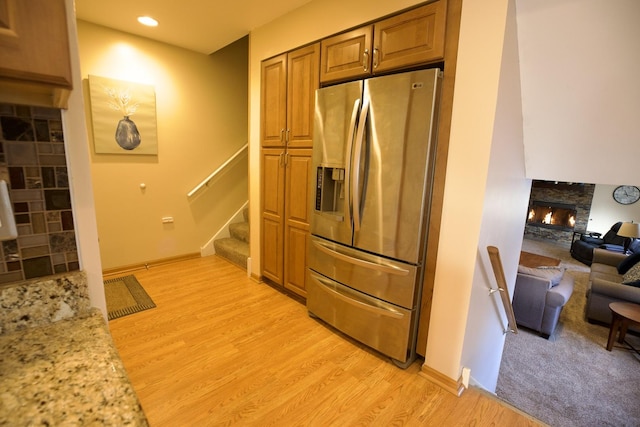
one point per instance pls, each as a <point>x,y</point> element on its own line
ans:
<point>352,130</point>
<point>368,304</point>
<point>384,268</point>
<point>355,164</point>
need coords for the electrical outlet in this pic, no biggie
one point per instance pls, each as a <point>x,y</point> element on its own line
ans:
<point>466,373</point>
<point>167,219</point>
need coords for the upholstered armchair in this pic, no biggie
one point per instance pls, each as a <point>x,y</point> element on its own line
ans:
<point>539,296</point>
<point>582,249</point>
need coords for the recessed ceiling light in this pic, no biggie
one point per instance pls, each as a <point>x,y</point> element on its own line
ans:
<point>148,21</point>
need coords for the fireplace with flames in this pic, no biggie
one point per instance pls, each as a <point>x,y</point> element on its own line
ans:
<point>552,215</point>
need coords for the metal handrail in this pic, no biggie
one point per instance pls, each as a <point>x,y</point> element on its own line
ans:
<point>496,264</point>
<point>208,179</point>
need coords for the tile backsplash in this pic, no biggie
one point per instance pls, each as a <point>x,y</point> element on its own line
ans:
<point>33,163</point>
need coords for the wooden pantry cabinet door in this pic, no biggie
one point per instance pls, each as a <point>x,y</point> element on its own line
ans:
<point>302,81</point>
<point>272,247</point>
<point>411,38</point>
<point>273,107</point>
<point>297,216</point>
<point>289,82</point>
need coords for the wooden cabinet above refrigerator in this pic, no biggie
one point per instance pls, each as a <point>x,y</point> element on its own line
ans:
<point>402,41</point>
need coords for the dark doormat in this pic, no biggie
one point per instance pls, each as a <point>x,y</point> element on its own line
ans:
<point>125,295</point>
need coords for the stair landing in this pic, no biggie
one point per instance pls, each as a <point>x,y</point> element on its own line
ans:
<point>233,250</point>
<point>236,247</point>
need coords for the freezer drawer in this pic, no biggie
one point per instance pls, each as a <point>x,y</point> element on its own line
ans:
<point>391,281</point>
<point>382,326</point>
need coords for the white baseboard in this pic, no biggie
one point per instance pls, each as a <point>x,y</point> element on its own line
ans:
<point>208,248</point>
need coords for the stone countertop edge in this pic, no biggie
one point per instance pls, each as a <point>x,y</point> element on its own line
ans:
<point>66,373</point>
<point>39,302</point>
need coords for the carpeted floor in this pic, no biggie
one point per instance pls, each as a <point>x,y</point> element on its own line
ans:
<point>571,379</point>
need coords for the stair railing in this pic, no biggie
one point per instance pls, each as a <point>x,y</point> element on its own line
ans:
<point>205,182</point>
<point>496,264</point>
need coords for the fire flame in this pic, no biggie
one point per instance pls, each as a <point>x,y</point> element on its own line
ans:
<point>532,214</point>
<point>572,221</point>
<point>547,218</point>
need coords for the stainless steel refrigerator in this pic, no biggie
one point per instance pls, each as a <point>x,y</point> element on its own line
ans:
<point>373,156</point>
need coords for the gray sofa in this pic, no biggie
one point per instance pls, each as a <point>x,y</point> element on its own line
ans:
<point>537,302</point>
<point>606,286</point>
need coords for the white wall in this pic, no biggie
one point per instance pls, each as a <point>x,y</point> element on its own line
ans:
<point>474,107</point>
<point>580,62</point>
<point>605,211</point>
<point>201,109</point>
<point>77,151</point>
<point>506,197</point>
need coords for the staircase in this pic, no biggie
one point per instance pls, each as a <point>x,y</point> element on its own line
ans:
<point>236,247</point>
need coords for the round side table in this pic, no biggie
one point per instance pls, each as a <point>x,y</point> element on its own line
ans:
<point>623,313</point>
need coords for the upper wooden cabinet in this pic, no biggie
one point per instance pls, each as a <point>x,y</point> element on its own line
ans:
<point>35,64</point>
<point>303,79</point>
<point>347,55</point>
<point>412,38</point>
<point>409,39</point>
<point>289,82</point>
<point>274,101</point>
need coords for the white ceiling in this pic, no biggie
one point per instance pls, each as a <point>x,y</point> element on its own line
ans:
<point>200,25</point>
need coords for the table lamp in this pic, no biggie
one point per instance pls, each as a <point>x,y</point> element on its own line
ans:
<point>631,230</point>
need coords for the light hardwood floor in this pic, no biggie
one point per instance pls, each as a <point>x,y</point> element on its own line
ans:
<point>221,349</point>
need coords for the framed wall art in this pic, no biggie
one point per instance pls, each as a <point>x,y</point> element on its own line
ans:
<point>123,115</point>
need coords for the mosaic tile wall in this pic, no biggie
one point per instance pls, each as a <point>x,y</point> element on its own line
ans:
<point>33,163</point>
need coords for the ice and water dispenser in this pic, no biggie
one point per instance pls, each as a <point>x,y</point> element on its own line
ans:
<point>330,187</point>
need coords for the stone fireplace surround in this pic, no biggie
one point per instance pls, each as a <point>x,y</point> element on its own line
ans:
<point>560,193</point>
<point>560,215</point>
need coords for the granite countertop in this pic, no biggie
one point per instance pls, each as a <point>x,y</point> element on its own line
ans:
<point>65,373</point>
<point>42,301</point>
